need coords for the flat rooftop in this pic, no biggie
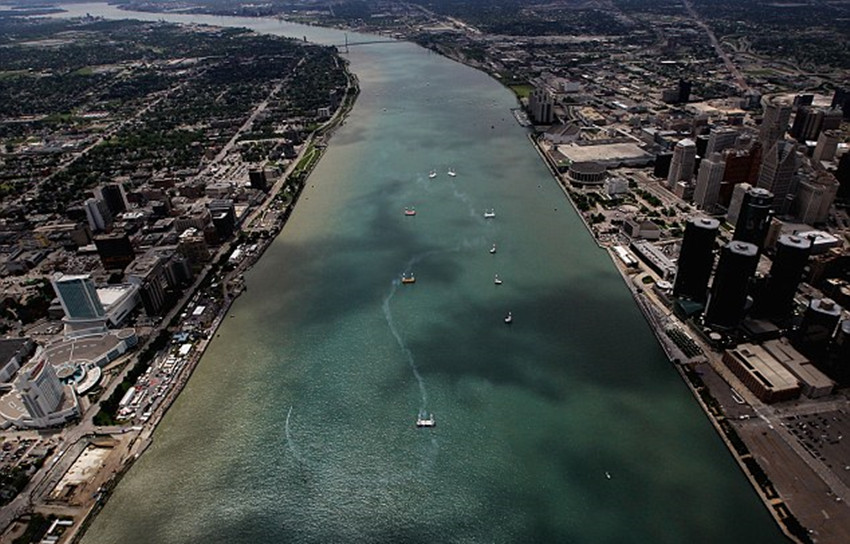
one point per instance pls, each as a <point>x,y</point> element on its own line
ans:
<point>764,367</point>
<point>607,154</point>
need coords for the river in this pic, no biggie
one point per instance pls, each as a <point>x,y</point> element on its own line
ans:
<point>569,425</point>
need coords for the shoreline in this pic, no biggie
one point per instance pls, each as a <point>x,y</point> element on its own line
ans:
<point>316,144</point>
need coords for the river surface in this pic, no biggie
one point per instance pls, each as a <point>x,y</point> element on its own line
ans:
<point>568,425</point>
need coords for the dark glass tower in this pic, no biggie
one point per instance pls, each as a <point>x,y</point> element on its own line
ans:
<point>754,218</point>
<point>819,323</point>
<point>735,269</point>
<point>696,259</point>
<point>792,255</point>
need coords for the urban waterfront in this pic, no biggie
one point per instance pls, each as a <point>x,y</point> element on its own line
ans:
<point>569,425</point>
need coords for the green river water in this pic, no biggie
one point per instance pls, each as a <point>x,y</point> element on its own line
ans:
<point>298,426</point>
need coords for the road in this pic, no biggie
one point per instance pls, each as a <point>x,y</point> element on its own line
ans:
<point>736,74</point>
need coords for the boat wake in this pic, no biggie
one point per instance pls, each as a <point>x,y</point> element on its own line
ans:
<point>290,445</point>
<point>388,315</point>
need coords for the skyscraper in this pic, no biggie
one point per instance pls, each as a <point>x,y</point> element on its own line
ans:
<point>114,197</point>
<point>775,121</point>
<point>777,172</point>
<point>708,182</point>
<point>792,255</point>
<point>98,215</point>
<point>728,300</point>
<point>696,259</point>
<point>754,217</point>
<point>819,324</point>
<point>826,146</point>
<point>541,103</point>
<point>682,164</point>
<point>737,201</point>
<point>721,138</point>
<point>40,389</point>
<point>78,297</point>
<point>815,195</point>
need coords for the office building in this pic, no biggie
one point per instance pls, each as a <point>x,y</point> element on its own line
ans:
<point>813,383</point>
<point>810,122</point>
<point>774,123</point>
<point>719,139</point>
<point>115,250</point>
<point>735,270</point>
<point>78,297</point>
<point>661,167</point>
<point>98,215</point>
<point>819,324</point>
<point>777,299</point>
<point>826,146</point>
<point>736,202</point>
<point>710,176</point>
<point>148,272</point>
<point>696,259</point>
<point>683,162</point>
<point>841,100</point>
<point>258,179</point>
<point>114,197</point>
<point>754,217</point>
<point>778,166</point>
<point>815,195</point>
<point>223,215</point>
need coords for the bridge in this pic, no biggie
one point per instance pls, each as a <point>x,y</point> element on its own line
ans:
<point>347,44</point>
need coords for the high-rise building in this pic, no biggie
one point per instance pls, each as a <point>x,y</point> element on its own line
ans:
<point>696,259</point>
<point>841,100</point>
<point>223,215</point>
<point>815,195</point>
<point>736,203</point>
<point>778,166</point>
<point>258,179</point>
<point>709,178</point>
<point>541,104</point>
<point>735,270</point>
<point>661,168</point>
<point>786,272</point>
<point>754,217</point>
<point>98,215</point>
<point>810,122</point>
<point>148,272</point>
<point>826,146</point>
<point>114,197</point>
<point>819,324</point>
<point>40,389</point>
<point>719,139</point>
<point>777,113</point>
<point>78,297</point>
<point>115,250</point>
<point>683,162</point>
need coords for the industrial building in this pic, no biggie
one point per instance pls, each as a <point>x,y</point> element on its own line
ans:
<point>761,373</point>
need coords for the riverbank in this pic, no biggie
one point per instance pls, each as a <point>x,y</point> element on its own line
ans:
<point>135,439</point>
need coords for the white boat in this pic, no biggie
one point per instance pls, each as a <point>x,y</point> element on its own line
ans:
<point>409,211</point>
<point>408,278</point>
<point>452,173</point>
<point>497,280</point>
<point>493,249</point>
<point>432,174</point>
<point>489,214</point>
<point>607,474</point>
<point>509,318</point>
<point>422,421</point>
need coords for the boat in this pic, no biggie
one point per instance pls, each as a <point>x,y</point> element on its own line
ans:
<point>408,278</point>
<point>426,422</point>
<point>493,249</point>
<point>509,318</point>
<point>497,280</point>
<point>452,173</point>
<point>489,214</point>
<point>607,474</point>
<point>409,211</point>
<point>432,174</point>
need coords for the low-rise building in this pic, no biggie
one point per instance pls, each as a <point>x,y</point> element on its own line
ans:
<point>761,373</point>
